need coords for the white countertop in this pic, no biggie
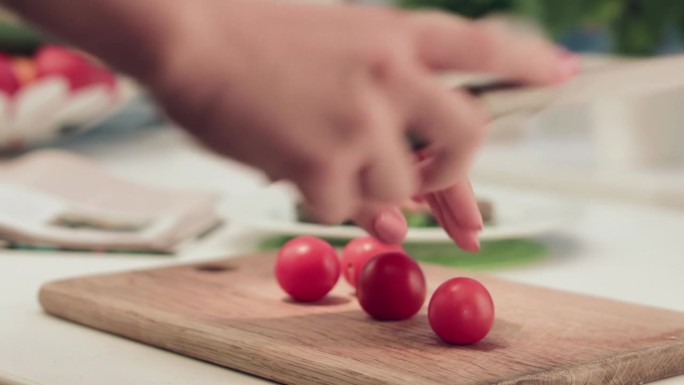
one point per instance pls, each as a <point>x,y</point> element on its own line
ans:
<point>615,250</point>
<point>569,169</point>
<point>594,151</point>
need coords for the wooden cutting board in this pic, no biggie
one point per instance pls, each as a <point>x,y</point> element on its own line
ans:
<point>232,313</point>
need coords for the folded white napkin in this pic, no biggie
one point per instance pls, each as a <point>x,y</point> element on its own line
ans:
<point>57,199</point>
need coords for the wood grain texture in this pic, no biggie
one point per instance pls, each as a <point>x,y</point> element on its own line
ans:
<point>233,314</point>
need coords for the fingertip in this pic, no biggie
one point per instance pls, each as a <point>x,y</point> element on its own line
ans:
<point>390,227</point>
<point>569,64</point>
<point>466,239</point>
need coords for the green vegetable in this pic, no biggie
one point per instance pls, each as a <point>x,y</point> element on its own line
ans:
<point>17,37</point>
<point>493,254</point>
<point>418,219</point>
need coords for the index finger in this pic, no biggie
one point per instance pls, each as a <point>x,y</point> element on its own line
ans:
<point>447,42</point>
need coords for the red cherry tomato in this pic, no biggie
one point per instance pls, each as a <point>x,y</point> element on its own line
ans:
<point>75,68</point>
<point>9,84</point>
<point>358,251</point>
<point>307,268</point>
<point>461,311</point>
<point>391,286</point>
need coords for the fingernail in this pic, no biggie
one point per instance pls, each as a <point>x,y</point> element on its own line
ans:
<point>467,240</point>
<point>391,227</point>
<point>473,223</point>
<point>476,244</point>
<point>480,222</point>
<point>569,64</point>
<point>472,245</point>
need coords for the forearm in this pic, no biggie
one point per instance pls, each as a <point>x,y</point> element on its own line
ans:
<point>130,35</point>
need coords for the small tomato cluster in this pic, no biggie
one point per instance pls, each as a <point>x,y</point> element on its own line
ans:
<point>390,285</point>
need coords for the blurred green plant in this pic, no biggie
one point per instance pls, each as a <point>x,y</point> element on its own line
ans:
<point>635,27</point>
<point>16,37</point>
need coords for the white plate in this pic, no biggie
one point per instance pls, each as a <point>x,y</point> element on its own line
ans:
<point>517,215</point>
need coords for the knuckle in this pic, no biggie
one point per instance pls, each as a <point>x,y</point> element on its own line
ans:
<point>387,51</point>
<point>357,123</point>
<point>384,59</point>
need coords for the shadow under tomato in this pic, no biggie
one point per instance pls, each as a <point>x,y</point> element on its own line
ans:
<point>336,331</point>
<point>329,300</point>
<point>486,345</point>
<point>348,342</point>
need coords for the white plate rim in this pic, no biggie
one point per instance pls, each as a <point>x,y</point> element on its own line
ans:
<point>556,214</point>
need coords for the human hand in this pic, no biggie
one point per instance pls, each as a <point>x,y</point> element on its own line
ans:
<point>325,96</point>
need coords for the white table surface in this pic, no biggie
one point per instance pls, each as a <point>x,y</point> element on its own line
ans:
<point>615,250</point>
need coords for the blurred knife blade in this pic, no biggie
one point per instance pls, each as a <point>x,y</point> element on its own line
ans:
<point>618,79</point>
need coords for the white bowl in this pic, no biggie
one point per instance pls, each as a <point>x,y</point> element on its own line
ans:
<point>47,109</point>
